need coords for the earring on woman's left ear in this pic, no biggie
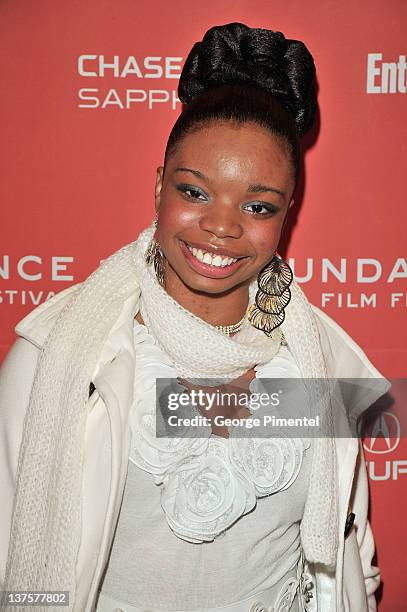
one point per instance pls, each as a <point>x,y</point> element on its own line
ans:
<point>272,296</point>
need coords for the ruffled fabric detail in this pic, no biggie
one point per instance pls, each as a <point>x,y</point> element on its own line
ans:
<point>204,495</point>
<point>158,456</point>
<point>271,464</point>
<point>208,482</point>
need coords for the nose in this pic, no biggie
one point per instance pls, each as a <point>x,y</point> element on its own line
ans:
<point>221,221</point>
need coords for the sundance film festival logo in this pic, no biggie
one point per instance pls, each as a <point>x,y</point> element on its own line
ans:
<point>364,272</point>
<point>135,81</point>
<point>385,77</point>
<point>32,269</point>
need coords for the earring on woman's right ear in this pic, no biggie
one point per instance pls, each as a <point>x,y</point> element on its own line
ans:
<point>155,256</point>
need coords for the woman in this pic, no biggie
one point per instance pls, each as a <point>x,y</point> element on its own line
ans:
<point>96,503</point>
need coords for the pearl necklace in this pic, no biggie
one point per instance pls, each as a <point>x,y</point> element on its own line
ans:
<point>231,329</point>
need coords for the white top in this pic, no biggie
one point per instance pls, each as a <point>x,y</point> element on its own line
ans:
<point>150,565</point>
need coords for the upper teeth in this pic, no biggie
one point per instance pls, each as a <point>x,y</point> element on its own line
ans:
<point>211,258</point>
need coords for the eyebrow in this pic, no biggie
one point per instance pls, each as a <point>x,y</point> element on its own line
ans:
<point>254,188</point>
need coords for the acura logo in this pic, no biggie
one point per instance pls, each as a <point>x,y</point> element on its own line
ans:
<point>383,436</point>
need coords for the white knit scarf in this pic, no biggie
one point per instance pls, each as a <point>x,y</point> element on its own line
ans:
<point>46,523</point>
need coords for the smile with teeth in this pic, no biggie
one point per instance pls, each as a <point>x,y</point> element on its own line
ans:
<point>211,258</point>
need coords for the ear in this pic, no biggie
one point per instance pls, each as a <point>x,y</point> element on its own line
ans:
<point>286,214</point>
<point>158,187</point>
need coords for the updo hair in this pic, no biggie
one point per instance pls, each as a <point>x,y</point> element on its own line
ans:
<point>241,74</point>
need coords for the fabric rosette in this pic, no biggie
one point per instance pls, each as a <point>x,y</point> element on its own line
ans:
<point>204,495</point>
<point>153,454</point>
<point>271,464</point>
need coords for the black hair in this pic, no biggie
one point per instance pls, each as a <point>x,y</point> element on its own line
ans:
<point>243,74</point>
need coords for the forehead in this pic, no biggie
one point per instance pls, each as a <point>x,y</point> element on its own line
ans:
<point>236,150</point>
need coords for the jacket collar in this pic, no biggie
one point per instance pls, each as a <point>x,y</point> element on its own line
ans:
<point>36,326</point>
<point>115,365</point>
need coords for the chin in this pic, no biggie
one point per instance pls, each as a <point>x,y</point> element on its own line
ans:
<point>213,286</point>
<point>207,285</point>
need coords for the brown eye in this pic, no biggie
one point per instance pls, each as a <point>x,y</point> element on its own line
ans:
<point>195,193</point>
<point>262,209</point>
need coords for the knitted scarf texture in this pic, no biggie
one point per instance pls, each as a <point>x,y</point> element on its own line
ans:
<point>46,522</point>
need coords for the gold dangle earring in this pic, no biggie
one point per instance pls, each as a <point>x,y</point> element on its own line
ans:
<point>155,256</point>
<point>272,296</point>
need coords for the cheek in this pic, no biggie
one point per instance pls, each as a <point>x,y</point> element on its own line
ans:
<point>174,216</point>
<point>265,240</point>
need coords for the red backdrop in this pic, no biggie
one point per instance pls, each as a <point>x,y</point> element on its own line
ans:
<point>88,100</point>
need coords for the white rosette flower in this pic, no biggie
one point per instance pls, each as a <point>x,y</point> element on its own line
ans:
<point>272,464</point>
<point>153,454</point>
<point>205,495</point>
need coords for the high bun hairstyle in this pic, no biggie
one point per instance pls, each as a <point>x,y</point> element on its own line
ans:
<point>245,74</point>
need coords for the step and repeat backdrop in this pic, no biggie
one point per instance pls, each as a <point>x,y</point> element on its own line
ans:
<point>89,96</point>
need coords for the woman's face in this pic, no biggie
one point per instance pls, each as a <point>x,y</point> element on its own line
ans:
<point>226,192</point>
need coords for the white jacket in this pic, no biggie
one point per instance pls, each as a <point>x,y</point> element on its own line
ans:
<point>107,438</point>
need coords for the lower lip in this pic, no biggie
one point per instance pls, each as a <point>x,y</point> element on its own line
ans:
<point>207,269</point>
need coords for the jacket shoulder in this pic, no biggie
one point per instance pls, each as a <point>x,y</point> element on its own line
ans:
<point>342,340</point>
<point>37,324</point>
<point>343,346</point>
<point>346,361</point>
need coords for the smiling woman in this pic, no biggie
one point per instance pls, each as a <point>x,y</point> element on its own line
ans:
<point>113,509</point>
